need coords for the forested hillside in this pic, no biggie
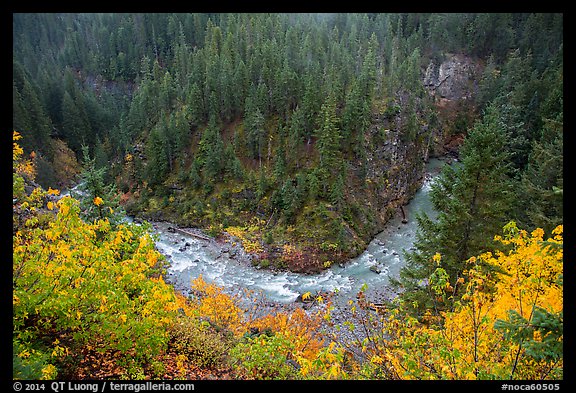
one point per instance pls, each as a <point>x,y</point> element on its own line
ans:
<point>307,130</point>
<point>300,135</point>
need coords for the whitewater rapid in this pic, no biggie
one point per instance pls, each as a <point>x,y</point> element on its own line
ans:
<point>191,257</point>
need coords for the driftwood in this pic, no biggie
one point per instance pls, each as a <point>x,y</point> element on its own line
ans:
<point>404,219</point>
<point>185,232</point>
<point>378,307</point>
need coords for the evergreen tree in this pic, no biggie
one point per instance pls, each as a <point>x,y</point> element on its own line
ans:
<point>262,185</point>
<point>75,126</point>
<point>337,191</point>
<point>295,135</point>
<point>157,152</point>
<point>212,153</point>
<point>289,200</point>
<point>356,114</point>
<point>472,201</point>
<point>233,165</point>
<point>280,164</point>
<point>196,105</point>
<point>98,200</point>
<point>254,123</point>
<point>542,181</point>
<point>29,116</point>
<point>328,143</point>
<point>194,175</point>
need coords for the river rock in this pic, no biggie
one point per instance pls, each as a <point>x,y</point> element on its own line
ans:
<point>375,268</point>
<point>308,300</point>
<point>293,363</point>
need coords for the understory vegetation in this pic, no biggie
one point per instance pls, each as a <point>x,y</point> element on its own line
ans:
<point>299,136</point>
<point>90,301</point>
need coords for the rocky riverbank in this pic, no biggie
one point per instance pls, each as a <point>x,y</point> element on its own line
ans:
<point>223,261</point>
<point>338,327</point>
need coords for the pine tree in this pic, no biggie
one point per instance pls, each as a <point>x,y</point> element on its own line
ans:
<point>262,185</point>
<point>194,175</point>
<point>280,164</point>
<point>233,165</point>
<point>288,200</point>
<point>356,114</point>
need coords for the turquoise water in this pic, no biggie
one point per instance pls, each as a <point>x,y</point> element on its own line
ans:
<point>200,257</point>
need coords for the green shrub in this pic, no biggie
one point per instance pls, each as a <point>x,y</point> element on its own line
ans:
<point>199,342</point>
<point>263,357</point>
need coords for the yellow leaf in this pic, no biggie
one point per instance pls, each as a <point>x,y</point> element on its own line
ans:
<point>306,296</point>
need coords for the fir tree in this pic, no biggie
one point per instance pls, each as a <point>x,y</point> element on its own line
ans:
<point>543,181</point>
<point>98,200</point>
<point>472,201</point>
<point>328,143</point>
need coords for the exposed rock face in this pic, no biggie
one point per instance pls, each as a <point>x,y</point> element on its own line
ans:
<point>393,172</point>
<point>453,84</point>
<point>454,79</point>
<point>394,168</point>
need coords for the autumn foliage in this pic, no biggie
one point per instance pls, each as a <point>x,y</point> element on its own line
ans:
<point>508,324</point>
<point>89,301</point>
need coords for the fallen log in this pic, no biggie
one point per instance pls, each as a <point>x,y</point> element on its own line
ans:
<point>404,219</point>
<point>185,232</point>
<point>378,307</point>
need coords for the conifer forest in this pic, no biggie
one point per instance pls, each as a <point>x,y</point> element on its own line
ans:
<point>287,196</point>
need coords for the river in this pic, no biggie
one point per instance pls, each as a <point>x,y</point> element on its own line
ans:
<point>222,264</point>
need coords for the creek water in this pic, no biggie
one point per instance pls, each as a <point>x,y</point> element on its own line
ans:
<point>190,257</point>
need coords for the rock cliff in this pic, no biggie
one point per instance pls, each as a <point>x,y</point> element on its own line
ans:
<point>453,85</point>
<point>455,78</point>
